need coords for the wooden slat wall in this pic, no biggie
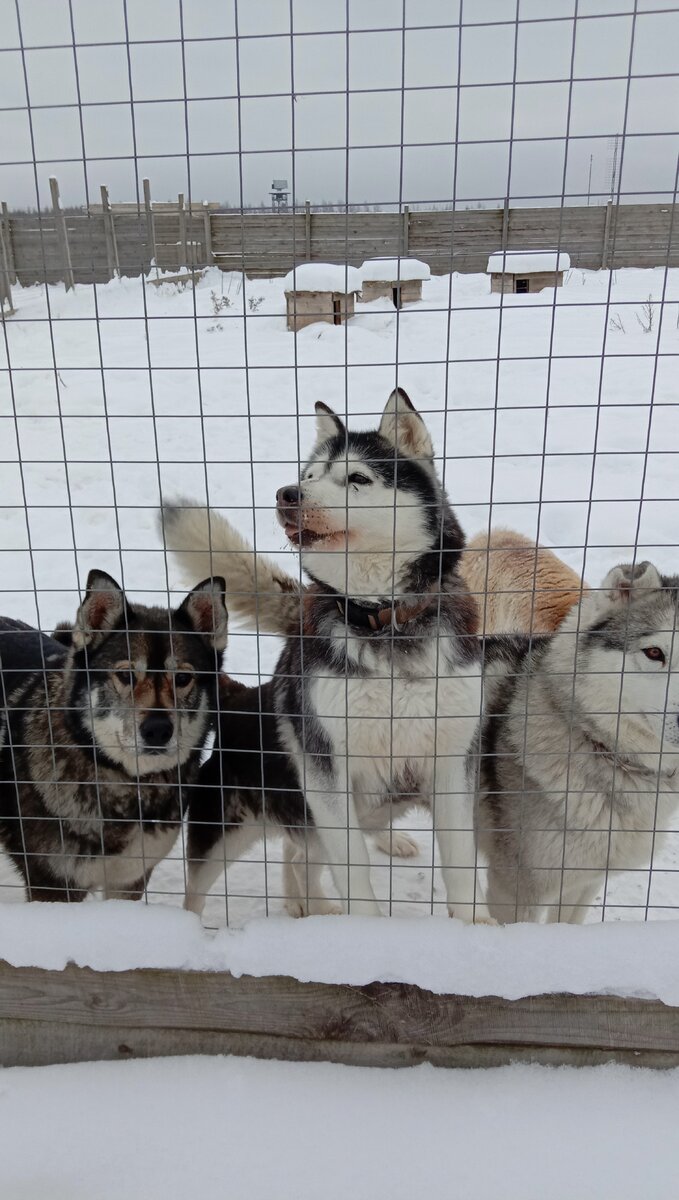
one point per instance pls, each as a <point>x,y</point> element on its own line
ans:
<point>270,244</point>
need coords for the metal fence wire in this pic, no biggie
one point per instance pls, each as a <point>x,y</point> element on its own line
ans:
<point>469,258</point>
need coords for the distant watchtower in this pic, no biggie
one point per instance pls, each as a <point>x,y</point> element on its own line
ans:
<point>279,195</point>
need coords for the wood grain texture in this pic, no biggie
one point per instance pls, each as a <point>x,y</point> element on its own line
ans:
<point>82,1015</point>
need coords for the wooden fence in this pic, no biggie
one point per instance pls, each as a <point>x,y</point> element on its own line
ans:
<point>127,238</point>
<point>81,1015</point>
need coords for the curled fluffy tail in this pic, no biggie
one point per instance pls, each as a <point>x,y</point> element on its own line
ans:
<point>519,587</point>
<point>204,543</point>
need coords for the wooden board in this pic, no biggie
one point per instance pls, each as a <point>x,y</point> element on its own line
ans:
<point>80,1015</point>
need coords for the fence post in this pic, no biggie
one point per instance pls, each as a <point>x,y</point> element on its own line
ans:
<point>150,230</point>
<point>505,224</point>
<point>607,234</point>
<point>405,234</point>
<point>5,277</point>
<point>207,227</point>
<point>62,234</point>
<point>182,231</point>
<point>110,235</point>
<point>307,229</point>
<point>9,249</point>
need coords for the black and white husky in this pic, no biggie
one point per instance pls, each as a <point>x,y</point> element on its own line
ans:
<point>579,749</point>
<point>248,789</point>
<point>377,692</point>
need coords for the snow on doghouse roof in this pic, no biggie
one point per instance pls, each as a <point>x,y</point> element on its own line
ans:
<point>390,270</point>
<point>322,277</point>
<point>526,262</point>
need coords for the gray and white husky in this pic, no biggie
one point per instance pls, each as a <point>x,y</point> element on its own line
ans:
<point>578,770</point>
<point>377,692</point>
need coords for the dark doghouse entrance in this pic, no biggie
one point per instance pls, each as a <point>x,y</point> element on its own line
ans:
<point>521,285</point>
<point>337,312</point>
<point>396,296</point>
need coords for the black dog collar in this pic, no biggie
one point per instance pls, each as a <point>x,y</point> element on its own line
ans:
<point>377,616</point>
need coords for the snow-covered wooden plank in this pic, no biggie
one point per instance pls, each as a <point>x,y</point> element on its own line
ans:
<point>80,1015</point>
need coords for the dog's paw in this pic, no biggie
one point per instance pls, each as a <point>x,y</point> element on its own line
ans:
<point>325,908</point>
<point>364,908</point>
<point>397,844</point>
<point>315,908</point>
<point>471,914</point>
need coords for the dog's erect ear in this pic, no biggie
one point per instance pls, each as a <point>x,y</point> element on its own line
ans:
<point>630,582</point>
<point>328,424</point>
<point>206,610</point>
<point>404,428</point>
<point>100,611</point>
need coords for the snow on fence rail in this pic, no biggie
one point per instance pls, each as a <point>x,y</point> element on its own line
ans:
<point>114,983</point>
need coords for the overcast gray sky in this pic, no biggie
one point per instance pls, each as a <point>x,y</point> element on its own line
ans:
<point>377,116</point>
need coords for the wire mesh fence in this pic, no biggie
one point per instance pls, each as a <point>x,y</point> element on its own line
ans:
<point>474,208</point>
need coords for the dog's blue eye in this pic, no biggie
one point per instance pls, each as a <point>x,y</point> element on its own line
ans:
<point>655,654</point>
<point>356,477</point>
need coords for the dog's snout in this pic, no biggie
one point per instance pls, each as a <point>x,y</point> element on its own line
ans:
<point>156,730</point>
<point>288,497</point>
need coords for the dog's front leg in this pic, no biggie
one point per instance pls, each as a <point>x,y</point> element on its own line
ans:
<point>302,868</point>
<point>330,798</point>
<point>453,819</point>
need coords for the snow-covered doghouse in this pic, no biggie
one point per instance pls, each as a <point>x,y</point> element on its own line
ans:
<point>320,292</point>
<point>526,270</point>
<point>395,279</point>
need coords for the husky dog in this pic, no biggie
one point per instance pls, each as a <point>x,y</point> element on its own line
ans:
<point>579,747</point>
<point>100,737</point>
<point>246,786</point>
<point>377,692</point>
<point>249,785</point>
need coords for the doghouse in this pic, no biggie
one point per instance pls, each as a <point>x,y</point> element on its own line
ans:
<point>395,279</point>
<point>526,270</point>
<point>320,292</point>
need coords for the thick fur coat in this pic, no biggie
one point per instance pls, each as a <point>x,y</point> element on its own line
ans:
<point>517,587</point>
<point>100,739</point>
<point>377,692</point>
<point>577,763</point>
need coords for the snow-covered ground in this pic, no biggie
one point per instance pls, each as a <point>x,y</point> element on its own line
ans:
<point>558,407</point>
<point>202,1127</point>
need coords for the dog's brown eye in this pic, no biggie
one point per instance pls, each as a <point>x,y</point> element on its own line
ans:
<point>356,477</point>
<point>183,679</point>
<point>124,676</point>
<point>655,654</point>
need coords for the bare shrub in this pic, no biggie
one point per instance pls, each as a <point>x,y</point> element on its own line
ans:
<point>219,303</point>
<point>647,317</point>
